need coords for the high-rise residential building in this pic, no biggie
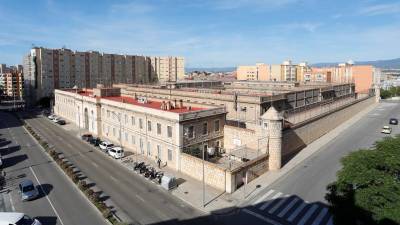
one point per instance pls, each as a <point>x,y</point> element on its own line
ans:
<point>48,69</point>
<point>303,72</point>
<point>288,71</point>
<point>11,80</point>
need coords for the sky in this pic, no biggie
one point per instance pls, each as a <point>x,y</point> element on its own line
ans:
<point>208,33</point>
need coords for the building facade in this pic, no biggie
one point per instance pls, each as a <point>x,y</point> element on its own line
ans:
<point>11,80</point>
<point>257,72</point>
<point>49,69</point>
<point>156,129</point>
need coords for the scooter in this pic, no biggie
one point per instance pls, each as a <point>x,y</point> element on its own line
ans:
<point>143,169</point>
<point>159,176</point>
<point>137,165</point>
<point>148,173</point>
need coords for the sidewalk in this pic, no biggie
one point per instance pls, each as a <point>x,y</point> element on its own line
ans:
<point>190,190</point>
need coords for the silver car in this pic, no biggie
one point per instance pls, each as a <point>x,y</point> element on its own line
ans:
<point>28,190</point>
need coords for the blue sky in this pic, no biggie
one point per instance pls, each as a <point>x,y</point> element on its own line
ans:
<point>208,33</point>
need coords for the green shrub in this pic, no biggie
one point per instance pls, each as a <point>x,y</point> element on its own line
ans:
<point>106,213</point>
<point>75,178</point>
<point>95,197</point>
<point>89,192</point>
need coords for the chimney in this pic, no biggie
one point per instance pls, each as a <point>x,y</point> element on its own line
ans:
<point>135,96</point>
<point>181,104</point>
<point>175,104</point>
<point>190,108</point>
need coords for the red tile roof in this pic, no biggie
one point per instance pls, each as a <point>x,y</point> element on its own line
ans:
<point>149,104</point>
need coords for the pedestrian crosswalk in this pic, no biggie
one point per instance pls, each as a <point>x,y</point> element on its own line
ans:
<point>288,209</point>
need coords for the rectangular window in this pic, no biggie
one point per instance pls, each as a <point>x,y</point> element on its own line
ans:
<point>133,120</point>
<point>126,136</point>
<point>169,131</point>
<point>169,154</point>
<point>126,119</point>
<point>133,139</point>
<point>216,125</point>
<point>148,125</point>
<point>141,146</point>
<point>205,130</point>
<point>158,128</point>
<point>148,148</point>
<point>108,113</point>
<point>140,123</point>
<point>190,132</point>
<point>159,151</point>
<point>113,131</point>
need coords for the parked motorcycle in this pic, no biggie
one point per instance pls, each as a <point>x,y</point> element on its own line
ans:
<point>148,172</point>
<point>138,165</point>
<point>143,169</point>
<point>159,176</point>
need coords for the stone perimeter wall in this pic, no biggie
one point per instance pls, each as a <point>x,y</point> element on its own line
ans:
<point>214,175</point>
<point>301,135</point>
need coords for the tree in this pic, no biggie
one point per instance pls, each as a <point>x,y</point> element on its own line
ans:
<point>367,190</point>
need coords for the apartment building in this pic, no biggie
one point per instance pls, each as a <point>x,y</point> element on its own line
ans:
<point>156,129</point>
<point>11,80</point>
<point>287,71</point>
<point>48,69</point>
<point>257,72</point>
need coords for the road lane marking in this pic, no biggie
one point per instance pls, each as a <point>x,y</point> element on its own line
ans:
<point>94,164</point>
<point>113,178</point>
<point>297,211</point>
<point>288,207</point>
<point>140,198</point>
<point>277,195</point>
<point>263,197</point>
<point>265,219</point>
<point>280,202</point>
<point>47,197</point>
<point>310,211</point>
<point>320,216</point>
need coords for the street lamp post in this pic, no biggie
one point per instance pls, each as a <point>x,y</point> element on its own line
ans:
<point>204,183</point>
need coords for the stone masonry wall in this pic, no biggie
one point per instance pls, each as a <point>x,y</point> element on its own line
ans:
<point>214,176</point>
<point>303,134</point>
<point>247,137</point>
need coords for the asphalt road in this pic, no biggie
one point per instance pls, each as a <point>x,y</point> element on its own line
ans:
<point>141,201</point>
<point>298,196</point>
<point>59,201</point>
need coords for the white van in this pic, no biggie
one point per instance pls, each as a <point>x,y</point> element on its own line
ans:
<point>15,218</point>
<point>116,152</point>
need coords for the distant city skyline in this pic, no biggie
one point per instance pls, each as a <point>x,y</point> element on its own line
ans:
<point>218,33</point>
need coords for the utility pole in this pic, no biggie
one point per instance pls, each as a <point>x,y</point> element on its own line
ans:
<point>204,183</point>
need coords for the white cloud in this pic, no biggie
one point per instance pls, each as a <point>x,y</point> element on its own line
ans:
<point>380,9</point>
<point>236,4</point>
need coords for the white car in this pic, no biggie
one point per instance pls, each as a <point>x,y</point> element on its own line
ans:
<point>116,152</point>
<point>15,218</point>
<point>105,145</point>
<point>386,130</point>
<point>56,119</point>
<point>52,116</point>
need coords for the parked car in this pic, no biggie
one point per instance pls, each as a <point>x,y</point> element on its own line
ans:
<point>116,152</point>
<point>87,137</point>
<point>56,119</point>
<point>95,141</point>
<point>393,121</point>
<point>16,218</point>
<point>28,190</point>
<point>105,145</point>
<point>52,116</point>
<point>61,122</point>
<point>386,130</point>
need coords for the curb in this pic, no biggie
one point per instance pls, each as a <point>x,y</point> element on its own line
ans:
<point>62,171</point>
